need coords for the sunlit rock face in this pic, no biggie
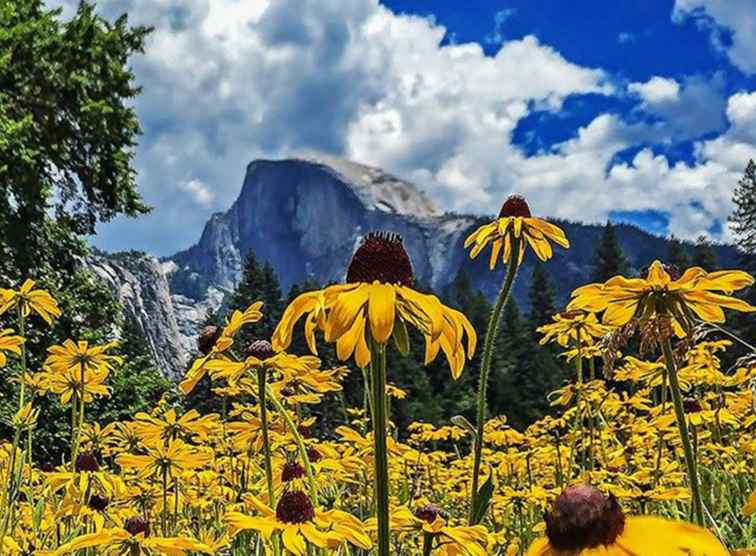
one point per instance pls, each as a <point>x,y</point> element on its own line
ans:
<point>139,283</point>
<point>306,216</point>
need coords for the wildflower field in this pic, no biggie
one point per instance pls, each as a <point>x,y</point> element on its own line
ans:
<point>650,449</point>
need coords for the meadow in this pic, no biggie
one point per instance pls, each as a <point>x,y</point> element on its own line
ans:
<point>650,448</point>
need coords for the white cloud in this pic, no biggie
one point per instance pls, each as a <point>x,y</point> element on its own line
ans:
<point>227,81</point>
<point>687,109</point>
<point>500,19</point>
<point>656,90</point>
<point>198,191</point>
<point>736,16</point>
<point>741,111</point>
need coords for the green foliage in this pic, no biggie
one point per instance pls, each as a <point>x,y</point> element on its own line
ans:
<point>259,282</point>
<point>67,123</point>
<point>137,385</point>
<point>704,254</point>
<point>743,219</point>
<point>743,223</point>
<point>609,259</point>
<point>541,296</point>
<point>67,135</point>
<point>677,254</point>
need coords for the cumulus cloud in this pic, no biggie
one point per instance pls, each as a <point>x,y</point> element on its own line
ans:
<point>228,81</point>
<point>687,109</point>
<point>656,90</point>
<point>741,111</point>
<point>732,27</point>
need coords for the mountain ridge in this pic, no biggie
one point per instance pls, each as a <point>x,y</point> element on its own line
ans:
<point>305,216</point>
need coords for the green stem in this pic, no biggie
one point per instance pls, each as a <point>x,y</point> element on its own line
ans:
<point>80,424</point>
<point>380,455</point>
<point>682,424</point>
<point>175,505</point>
<point>660,440</point>
<point>21,327</point>
<point>427,544</point>
<point>578,411</point>
<point>367,395</point>
<point>12,490</point>
<point>261,385</point>
<point>485,367</point>
<point>164,520</point>
<point>24,372</point>
<point>74,401</point>
<point>300,444</point>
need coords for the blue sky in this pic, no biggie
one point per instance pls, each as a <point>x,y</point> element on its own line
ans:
<point>642,111</point>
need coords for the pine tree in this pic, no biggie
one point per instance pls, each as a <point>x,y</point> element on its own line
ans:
<point>677,254</point>
<point>541,297</point>
<point>258,283</point>
<point>609,259</point>
<point>504,397</point>
<point>462,295</point>
<point>743,220</point>
<point>273,298</point>
<point>704,254</point>
<point>743,223</point>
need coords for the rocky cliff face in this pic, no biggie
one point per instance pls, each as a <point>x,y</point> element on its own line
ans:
<point>139,283</point>
<point>305,217</point>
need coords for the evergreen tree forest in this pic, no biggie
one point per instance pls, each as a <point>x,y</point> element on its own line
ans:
<point>524,371</point>
<point>743,224</point>
<point>609,260</point>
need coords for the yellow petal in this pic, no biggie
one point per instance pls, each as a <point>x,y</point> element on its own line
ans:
<point>293,541</point>
<point>382,311</point>
<point>750,507</point>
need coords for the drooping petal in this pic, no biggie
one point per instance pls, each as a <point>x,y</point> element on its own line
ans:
<point>293,541</point>
<point>382,311</point>
<point>345,309</point>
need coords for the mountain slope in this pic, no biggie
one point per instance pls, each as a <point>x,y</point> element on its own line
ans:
<point>305,216</point>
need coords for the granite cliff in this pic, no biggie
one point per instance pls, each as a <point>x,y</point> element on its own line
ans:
<point>305,216</point>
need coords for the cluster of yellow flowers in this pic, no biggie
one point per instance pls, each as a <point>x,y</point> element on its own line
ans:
<point>637,446</point>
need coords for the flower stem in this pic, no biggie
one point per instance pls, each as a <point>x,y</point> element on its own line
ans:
<point>690,459</point>
<point>300,444</point>
<point>74,412</point>
<point>660,440</point>
<point>22,332</point>
<point>380,456</point>
<point>427,544</point>
<point>12,490</point>
<point>80,423</point>
<point>485,367</point>
<point>261,399</point>
<point>576,426</point>
<point>24,372</point>
<point>164,517</point>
